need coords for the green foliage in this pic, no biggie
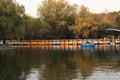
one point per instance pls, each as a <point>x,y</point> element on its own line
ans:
<point>101,32</point>
<point>117,20</point>
<point>57,20</point>
<point>58,14</point>
<point>10,19</point>
<point>35,29</point>
<point>84,24</point>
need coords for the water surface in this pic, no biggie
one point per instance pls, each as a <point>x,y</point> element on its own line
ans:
<point>60,63</point>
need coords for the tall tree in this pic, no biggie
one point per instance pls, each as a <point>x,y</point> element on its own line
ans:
<point>59,14</point>
<point>117,20</point>
<point>84,23</point>
<point>36,29</point>
<point>10,19</point>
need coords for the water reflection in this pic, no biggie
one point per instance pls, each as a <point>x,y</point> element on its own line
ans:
<point>60,63</point>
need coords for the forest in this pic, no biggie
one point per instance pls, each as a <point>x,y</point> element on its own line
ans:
<point>57,19</point>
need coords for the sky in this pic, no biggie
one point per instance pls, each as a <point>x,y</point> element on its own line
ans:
<point>95,6</point>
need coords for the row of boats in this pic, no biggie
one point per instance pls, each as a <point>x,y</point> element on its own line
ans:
<point>83,43</point>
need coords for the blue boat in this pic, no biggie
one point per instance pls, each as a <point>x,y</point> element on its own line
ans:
<point>88,45</point>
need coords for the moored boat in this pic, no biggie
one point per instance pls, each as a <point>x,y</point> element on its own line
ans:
<point>56,42</point>
<point>108,42</point>
<point>117,42</point>
<point>88,45</point>
<point>96,42</point>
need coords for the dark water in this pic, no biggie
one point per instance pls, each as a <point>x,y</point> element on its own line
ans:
<point>60,63</point>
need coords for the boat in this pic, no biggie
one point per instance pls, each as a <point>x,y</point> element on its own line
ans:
<point>117,42</point>
<point>88,45</point>
<point>56,42</point>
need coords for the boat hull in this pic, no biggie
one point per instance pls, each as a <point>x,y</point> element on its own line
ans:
<point>87,45</point>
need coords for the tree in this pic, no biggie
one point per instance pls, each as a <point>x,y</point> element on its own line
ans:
<point>10,19</point>
<point>117,21</point>
<point>84,24</point>
<point>35,29</point>
<point>101,32</point>
<point>58,14</point>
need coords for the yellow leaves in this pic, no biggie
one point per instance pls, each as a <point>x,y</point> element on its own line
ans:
<point>84,23</point>
<point>85,33</point>
<point>60,15</point>
<point>61,23</point>
<point>105,19</point>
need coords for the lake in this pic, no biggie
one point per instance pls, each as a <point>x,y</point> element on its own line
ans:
<point>60,63</point>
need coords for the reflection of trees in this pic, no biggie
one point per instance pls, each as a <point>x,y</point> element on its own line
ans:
<point>11,67</point>
<point>57,64</point>
<point>109,58</point>
<point>65,65</point>
<point>84,63</point>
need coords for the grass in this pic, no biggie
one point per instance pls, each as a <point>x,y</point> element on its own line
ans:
<point>5,47</point>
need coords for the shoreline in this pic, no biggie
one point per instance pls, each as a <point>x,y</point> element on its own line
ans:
<point>5,47</point>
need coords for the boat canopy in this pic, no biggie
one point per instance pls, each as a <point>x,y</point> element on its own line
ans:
<point>110,29</point>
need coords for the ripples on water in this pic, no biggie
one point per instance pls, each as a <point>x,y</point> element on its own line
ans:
<point>60,63</point>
